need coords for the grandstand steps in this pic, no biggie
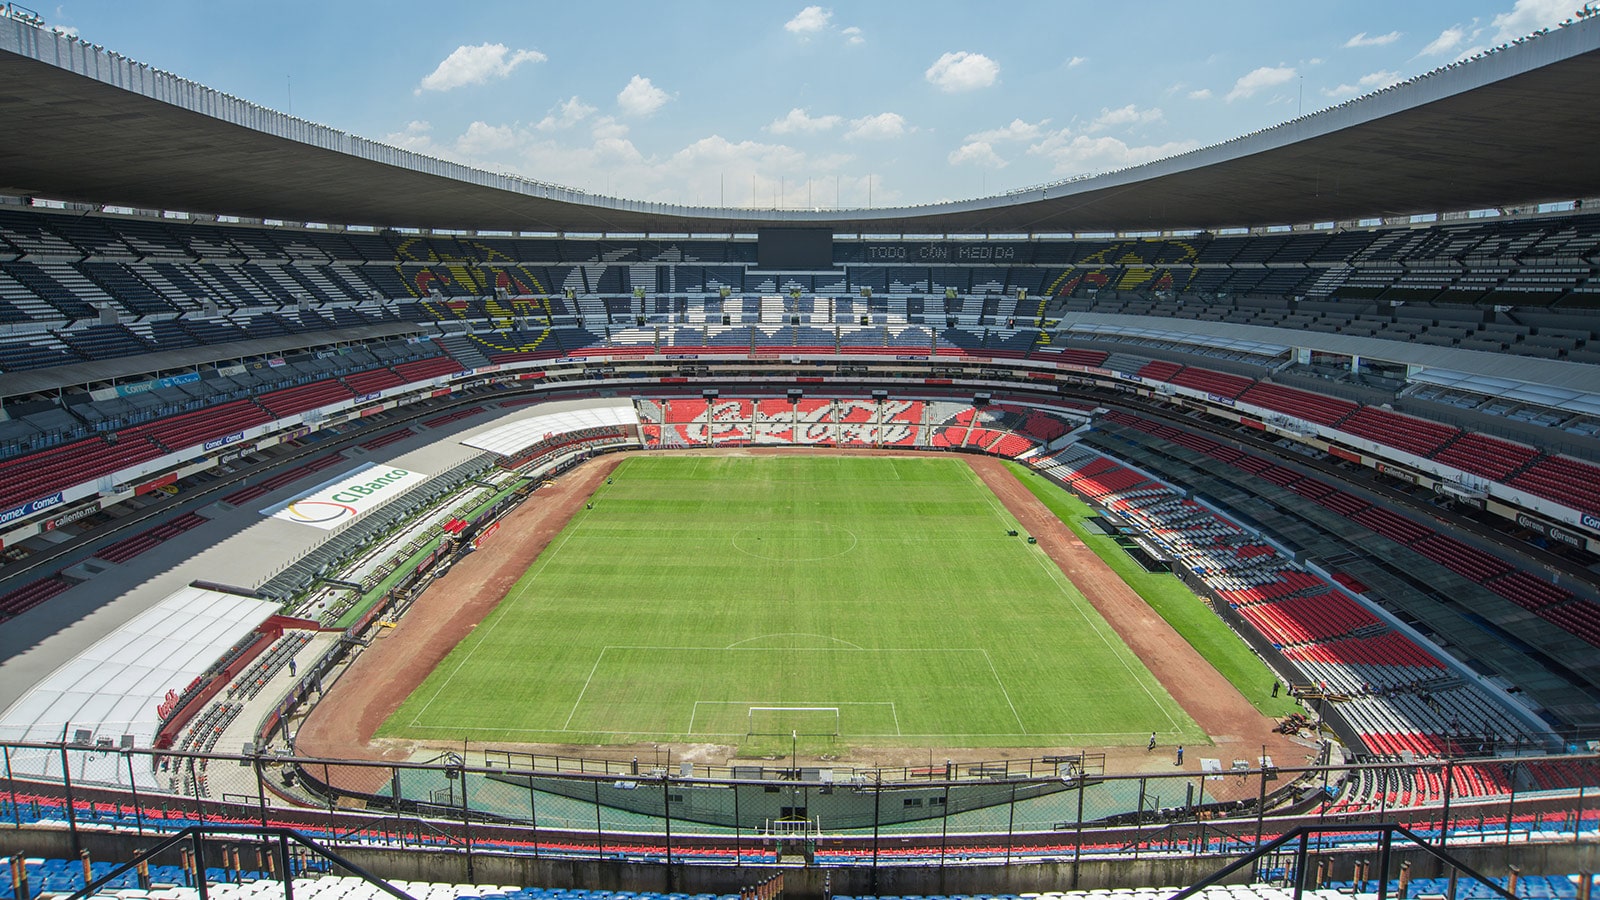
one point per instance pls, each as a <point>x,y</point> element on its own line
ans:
<point>463,350</point>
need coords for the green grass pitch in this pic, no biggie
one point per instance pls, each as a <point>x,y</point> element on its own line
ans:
<point>884,588</point>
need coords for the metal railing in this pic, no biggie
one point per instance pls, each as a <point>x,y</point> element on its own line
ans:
<point>193,840</point>
<point>664,815</point>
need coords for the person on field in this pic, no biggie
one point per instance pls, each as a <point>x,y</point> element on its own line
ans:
<point>1152,744</point>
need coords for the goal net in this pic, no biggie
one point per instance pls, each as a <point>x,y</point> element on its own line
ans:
<point>797,721</point>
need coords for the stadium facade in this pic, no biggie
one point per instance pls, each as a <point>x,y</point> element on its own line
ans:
<point>1361,416</point>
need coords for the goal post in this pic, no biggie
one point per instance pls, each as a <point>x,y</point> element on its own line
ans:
<point>796,721</point>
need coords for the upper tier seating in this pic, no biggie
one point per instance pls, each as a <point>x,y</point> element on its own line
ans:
<point>1402,432</point>
<point>1486,456</point>
<point>40,474</point>
<point>1566,481</point>
<point>1319,408</point>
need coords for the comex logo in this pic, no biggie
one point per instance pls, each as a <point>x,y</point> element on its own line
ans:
<point>316,512</point>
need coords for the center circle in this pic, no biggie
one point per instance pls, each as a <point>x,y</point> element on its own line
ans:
<point>797,541</point>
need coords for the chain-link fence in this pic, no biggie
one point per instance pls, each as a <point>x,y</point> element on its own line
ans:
<point>1018,811</point>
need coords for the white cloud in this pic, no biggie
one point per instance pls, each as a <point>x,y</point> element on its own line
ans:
<point>566,114</point>
<point>640,97</point>
<point>817,20</point>
<point>1076,61</point>
<point>882,126</point>
<point>1018,130</point>
<point>1128,116</point>
<point>417,136</point>
<point>962,71</point>
<point>1259,80</point>
<point>809,21</point>
<point>799,121</point>
<point>482,139</point>
<point>606,127</point>
<point>602,159</point>
<point>1361,39</point>
<point>477,65</point>
<point>1201,94</point>
<point>1528,16</point>
<point>978,153</point>
<point>1364,84</point>
<point>1071,154</point>
<point>1448,40</point>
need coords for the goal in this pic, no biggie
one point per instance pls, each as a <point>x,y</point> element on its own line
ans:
<point>797,721</point>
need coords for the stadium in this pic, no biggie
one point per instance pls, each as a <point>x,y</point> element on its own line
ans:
<point>1197,527</point>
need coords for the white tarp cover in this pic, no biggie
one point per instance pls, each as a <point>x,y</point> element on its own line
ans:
<point>113,687</point>
<point>347,497</point>
<point>509,440</point>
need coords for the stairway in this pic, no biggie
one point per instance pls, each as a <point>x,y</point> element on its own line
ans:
<point>464,350</point>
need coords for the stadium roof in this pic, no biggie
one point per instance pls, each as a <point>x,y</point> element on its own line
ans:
<point>1508,128</point>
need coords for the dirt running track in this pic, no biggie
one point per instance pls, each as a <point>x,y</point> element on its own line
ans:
<point>1237,727</point>
<point>342,725</point>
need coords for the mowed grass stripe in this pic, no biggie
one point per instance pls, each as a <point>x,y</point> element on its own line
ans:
<point>793,581</point>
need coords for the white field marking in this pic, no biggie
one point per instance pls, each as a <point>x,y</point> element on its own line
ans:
<point>895,710</point>
<point>596,666</point>
<point>544,562</point>
<point>1054,572</point>
<point>823,704</point>
<point>577,702</point>
<point>759,637</point>
<point>804,649</point>
<point>931,734</point>
<point>854,543</point>
<point>1003,692</point>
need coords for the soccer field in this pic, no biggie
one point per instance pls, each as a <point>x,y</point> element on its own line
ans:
<point>736,599</point>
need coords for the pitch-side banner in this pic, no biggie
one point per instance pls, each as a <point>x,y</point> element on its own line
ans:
<point>348,497</point>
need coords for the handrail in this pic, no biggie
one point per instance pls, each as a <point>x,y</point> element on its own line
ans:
<point>197,834</point>
<point>1303,832</point>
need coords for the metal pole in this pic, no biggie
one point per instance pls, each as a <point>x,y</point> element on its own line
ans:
<point>1383,863</point>
<point>261,790</point>
<point>666,815</point>
<point>877,815</point>
<point>1261,795</point>
<point>133,786</point>
<point>327,784</point>
<point>72,814</point>
<point>1077,851</point>
<point>1577,824</point>
<point>599,835</point>
<point>1511,802</point>
<point>1138,820</point>
<point>738,852</point>
<point>16,814</point>
<point>466,820</point>
<point>284,866</point>
<point>396,796</point>
<point>944,826</point>
<point>1300,868</point>
<point>199,859</point>
<point>1449,789</point>
<point>1011,822</point>
<point>533,814</point>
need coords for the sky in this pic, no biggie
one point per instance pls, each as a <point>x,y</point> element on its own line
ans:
<point>785,104</point>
